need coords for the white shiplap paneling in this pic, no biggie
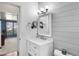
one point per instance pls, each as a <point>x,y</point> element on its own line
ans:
<point>66,27</point>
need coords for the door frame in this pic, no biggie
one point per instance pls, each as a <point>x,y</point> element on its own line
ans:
<point>18,23</point>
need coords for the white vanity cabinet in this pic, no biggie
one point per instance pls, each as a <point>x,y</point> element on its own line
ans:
<point>38,47</point>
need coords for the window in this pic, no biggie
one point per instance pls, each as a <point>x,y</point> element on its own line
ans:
<point>11,29</point>
<point>15,29</point>
<point>11,24</point>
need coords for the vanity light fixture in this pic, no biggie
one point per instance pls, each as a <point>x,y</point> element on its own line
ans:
<point>46,7</point>
<point>43,11</point>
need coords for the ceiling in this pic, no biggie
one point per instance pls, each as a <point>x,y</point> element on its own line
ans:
<point>4,7</point>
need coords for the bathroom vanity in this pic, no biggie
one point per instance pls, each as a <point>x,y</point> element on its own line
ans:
<point>42,44</point>
<point>39,47</point>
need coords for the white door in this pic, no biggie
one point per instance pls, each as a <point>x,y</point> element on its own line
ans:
<point>0,33</point>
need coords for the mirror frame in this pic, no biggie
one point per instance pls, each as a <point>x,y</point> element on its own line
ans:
<point>49,15</point>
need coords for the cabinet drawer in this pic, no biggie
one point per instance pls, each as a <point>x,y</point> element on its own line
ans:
<point>33,49</point>
<point>33,46</point>
<point>33,52</point>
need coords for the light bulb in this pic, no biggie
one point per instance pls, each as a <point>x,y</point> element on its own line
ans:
<point>46,7</point>
<point>41,9</point>
<point>38,11</point>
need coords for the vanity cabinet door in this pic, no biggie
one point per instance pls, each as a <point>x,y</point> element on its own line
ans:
<point>47,49</point>
<point>33,49</point>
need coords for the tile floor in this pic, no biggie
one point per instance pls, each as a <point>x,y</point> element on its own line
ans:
<point>10,46</point>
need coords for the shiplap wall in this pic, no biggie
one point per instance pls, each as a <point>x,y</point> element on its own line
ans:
<point>66,27</point>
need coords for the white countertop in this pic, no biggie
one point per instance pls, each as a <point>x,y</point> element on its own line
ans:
<point>41,41</point>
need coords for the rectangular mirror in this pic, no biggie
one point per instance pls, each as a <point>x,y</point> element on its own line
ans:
<point>44,25</point>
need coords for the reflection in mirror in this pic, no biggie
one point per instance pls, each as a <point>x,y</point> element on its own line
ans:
<point>41,25</point>
<point>44,25</point>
